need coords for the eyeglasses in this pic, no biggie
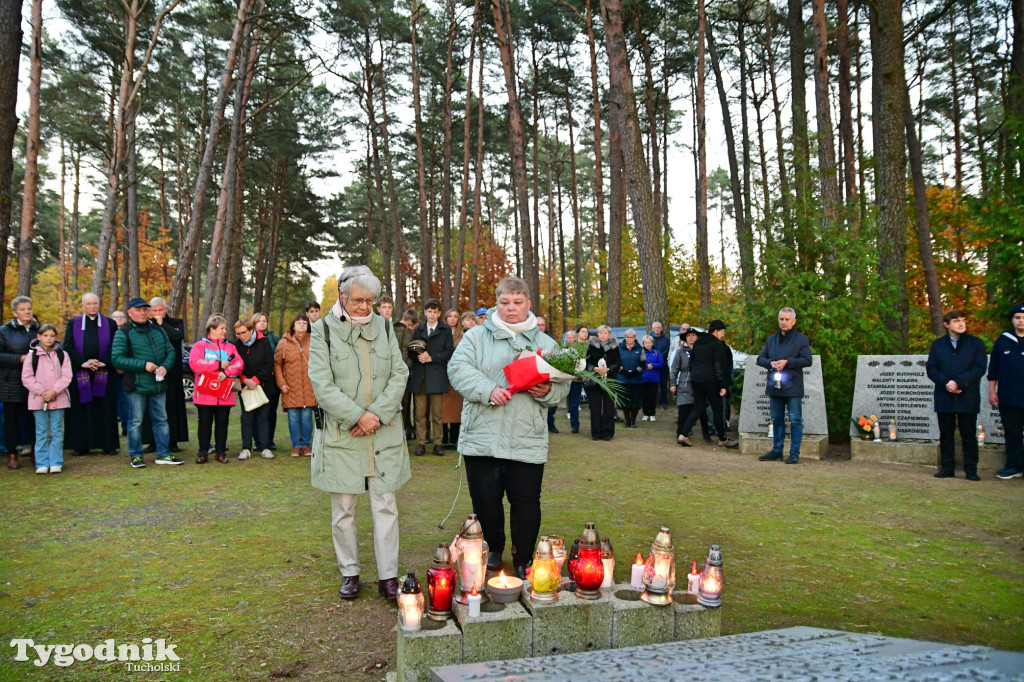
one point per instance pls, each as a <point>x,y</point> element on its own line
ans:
<point>360,302</point>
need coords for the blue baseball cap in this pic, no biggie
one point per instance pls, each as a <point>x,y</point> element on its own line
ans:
<point>481,311</point>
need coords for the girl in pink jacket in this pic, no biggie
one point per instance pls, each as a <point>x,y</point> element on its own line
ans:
<point>214,354</point>
<point>46,373</point>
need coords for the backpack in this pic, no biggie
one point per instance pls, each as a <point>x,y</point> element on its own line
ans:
<point>35,359</point>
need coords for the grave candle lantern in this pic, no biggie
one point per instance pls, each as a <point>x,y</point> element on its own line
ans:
<point>471,549</point>
<point>588,569</point>
<point>712,580</point>
<point>660,571</point>
<point>440,584</point>
<point>557,549</point>
<point>608,559</point>
<point>410,604</point>
<point>544,576</point>
<point>778,380</point>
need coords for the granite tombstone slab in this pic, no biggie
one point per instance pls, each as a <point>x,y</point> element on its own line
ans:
<point>897,387</point>
<point>755,413</point>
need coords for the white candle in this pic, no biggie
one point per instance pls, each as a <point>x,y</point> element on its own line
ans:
<point>474,604</point>
<point>609,569</point>
<point>636,576</point>
<point>692,582</point>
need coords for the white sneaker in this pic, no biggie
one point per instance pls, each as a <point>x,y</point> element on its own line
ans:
<point>42,470</point>
<point>55,470</point>
<point>651,418</point>
<point>244,454</point>
<point>267,454</point>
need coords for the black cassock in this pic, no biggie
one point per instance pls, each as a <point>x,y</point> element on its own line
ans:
<point>92,426</point>
<point>177,420</point>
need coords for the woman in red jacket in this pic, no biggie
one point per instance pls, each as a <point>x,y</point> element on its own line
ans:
<point>214,354</point>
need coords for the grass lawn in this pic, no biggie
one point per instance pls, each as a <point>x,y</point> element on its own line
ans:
<point>234,563</point>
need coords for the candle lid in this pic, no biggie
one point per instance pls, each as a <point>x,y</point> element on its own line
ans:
<point>590,539</point>
<point>471,528</point>
<point>606,548</point>
<point>411,585</point>
<point>442,557</point>
<point>544,550</point>
<point>714,556</point>
<point>663,540</point>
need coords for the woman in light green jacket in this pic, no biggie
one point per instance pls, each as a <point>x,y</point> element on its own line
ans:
<point>504,437</point>
<point>359,376</point>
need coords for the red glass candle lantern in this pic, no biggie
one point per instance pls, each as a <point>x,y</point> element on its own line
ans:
<point>712,580</point>
<point>588,569</point>
<point>440,584</point>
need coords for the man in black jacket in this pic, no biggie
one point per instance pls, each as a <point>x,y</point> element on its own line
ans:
<point>709,377</point>
<point>785,354</point>
<point>428,378</point>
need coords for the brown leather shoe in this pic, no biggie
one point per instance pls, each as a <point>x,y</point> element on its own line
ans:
<point>349,587</point>
<point>438,449</point>
<point>388,588</point>
<point>12,460</point>
<point>307,451</point>
<point>296,452</point>
<point>420,450</point>
<point>202,458</point>
<point>222,458</point>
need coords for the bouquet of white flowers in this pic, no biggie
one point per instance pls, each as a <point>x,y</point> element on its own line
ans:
<point>564,363</point>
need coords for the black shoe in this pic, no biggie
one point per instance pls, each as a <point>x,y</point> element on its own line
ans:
<point>595,437</point>
<point>945,473</point>
<point>388,588</point>
<point>575,430</point>
<point>793,459</point>
<point>148,449</point>
<point>79,453</point>
<point>618,419</point>
<point>420,450</point>
<point>521,571</point>
<point>439,450</point>
<point>607,438</point>
<point>349,587</point>
<point>110,452</point>
<point>552,428</point>
<point>175,448</point>
<point>973,476</point>
<point>770,457</point>
<point>494,561</point>
<point>273,446</point>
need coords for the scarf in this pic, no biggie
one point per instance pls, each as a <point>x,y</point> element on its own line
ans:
<point>518,328</point>
<point>90,384</point>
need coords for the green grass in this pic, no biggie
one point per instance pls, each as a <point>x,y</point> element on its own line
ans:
<point>234,563</point>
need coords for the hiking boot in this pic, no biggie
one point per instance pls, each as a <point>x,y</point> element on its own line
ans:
<point>770,456</point>
<point>169,459</point>
<point>1005,474</point>
<point>138,463</point>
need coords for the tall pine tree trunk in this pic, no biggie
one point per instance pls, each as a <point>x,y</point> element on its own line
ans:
<point>616,207</point>
<point>924,228</point>
<point>598,170</point>
<point>131,212</point>
<point>10,57</point>
<point>826,143</point>
<point>703,257</point>
<point>464,197</point>
<point>801,145</point>
<point>424,228</point>
<point>28,199</point>
<point>477,181</point>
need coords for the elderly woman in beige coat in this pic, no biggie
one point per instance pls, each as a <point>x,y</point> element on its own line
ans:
<point>359,376</point>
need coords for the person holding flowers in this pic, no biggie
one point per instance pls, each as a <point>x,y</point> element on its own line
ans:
<point>504,437</point>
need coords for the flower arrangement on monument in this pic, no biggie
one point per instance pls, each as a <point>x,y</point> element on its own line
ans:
<point>865,426</point>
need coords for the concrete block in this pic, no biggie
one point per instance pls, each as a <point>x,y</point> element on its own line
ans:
<point>438,643</point>
<point>570,624</point>
<point>501,631</point>
<point>635,622</point>
<point>693,621</point>
<point>921,453</point>
<point>811,446</point>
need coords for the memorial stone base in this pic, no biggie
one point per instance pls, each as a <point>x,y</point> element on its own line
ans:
<point>513,631</point>
<point>920,453</point>
<point>811,446</point>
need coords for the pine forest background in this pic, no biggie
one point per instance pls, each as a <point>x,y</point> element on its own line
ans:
<point>870,172</point>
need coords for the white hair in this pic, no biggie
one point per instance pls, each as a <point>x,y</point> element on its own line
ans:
<point>788,310</point>
<point>89,294</point>
<point>155,301</point>
<point>629,332</point>
<point>18,300</point>
<point>603,327</point>
<point>361,275</point>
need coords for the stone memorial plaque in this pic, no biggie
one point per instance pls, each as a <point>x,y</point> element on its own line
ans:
<point>897,387</point>
<point>754,412</point>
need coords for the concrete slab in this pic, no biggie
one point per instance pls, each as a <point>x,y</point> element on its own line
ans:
<point>438,643</point>
<point>636,622</point>
<point>501,631</point>
<point>811,446</point>
<point>693,621</point>
<point>799,653</point>
<point>570,624</point>
<point>920,453</point>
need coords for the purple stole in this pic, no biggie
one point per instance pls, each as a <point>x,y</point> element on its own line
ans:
<point>90,384</point>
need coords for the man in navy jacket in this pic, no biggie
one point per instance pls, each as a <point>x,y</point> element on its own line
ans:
<point>956,363</point>
<point>1006,390</point>
<point>785,354</point>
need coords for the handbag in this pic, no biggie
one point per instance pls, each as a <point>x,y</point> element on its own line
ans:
<point>253,398</point>
<point>208,384</point>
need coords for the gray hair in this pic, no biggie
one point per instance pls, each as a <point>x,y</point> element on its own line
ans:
<point>18,300</point>
<point>629,332</point>
<point>89,294</point>
<point>657,323</point>
<point>572,333</point>
<point>155,301</point>
<point>647,337</point>
<point>361,275</point>
<point>788,310</point>
<point>603,327</point>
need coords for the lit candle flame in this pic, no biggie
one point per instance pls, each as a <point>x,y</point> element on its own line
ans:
<point>504,583</point>
<point>693,570</point>
<point>473,592</point>
<point>639,560</point>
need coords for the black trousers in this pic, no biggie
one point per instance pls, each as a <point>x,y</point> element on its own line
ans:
<point>683,411</point>
<point>602,414</point>
<point>704,393</point>
<point>968,423</point>
<point>650,397</point>
<point>490,480</point>
<point>1013,427</point>
<point>213,418</point>
<point>14,435</point>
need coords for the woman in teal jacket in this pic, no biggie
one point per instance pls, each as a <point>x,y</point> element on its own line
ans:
<point>504,436</point>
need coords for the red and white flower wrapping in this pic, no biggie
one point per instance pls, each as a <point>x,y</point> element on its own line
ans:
<point>530,369</point>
